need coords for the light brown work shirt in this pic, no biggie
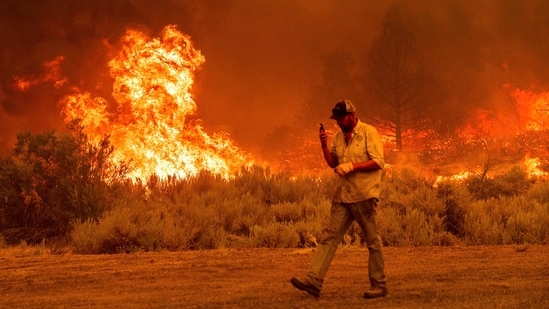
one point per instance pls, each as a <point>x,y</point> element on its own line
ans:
<point>364,145</point>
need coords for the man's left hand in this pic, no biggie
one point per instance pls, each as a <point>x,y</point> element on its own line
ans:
<point>344,168</point>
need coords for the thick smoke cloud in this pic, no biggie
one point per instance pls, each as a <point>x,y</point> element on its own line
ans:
<point>263,58</point>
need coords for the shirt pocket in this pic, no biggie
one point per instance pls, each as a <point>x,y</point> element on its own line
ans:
<point>357,152</point>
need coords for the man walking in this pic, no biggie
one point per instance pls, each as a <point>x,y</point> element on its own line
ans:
<point>356,155</point>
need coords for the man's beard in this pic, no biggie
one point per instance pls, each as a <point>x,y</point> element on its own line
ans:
<point>346,128</point>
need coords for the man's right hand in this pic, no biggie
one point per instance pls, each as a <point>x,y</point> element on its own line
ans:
<point>323,138</point>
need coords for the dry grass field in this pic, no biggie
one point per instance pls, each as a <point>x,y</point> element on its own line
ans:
<point>419,277</point>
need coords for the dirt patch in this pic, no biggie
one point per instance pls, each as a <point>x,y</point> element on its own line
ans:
<point>418,277</point>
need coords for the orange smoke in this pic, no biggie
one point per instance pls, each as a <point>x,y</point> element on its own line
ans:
<point>153,81</point>
<point>51,73</point>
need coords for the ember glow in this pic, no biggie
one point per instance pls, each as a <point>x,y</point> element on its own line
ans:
<point>153,81</point>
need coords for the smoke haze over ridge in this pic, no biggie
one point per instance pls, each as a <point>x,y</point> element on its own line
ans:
<point>263,58</point>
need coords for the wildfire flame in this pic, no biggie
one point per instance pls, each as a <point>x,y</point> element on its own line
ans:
<point>533,109</point>
<point>533,168</point>
<point>463,175</point>
<point>153,81</point>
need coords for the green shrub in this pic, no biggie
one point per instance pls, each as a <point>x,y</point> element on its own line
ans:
<point>51,180</point>
<point>310,227</point>
<point>484,223</point>
<point>172,215</point>
<point>511,183</point>
<point>424,199</point>
<point>86,237</point>
<point>275,235</point>
<point>527,222</point>
<point>404,181</point>
<point>417,229</point>
<point>539,192</point>
<point>281,211</point>
<point>454,197</point>
<point>541,214</point>
<point>391,226</point>
<point>444,239</point>
<point>286,212</point>
<point>310,233</point>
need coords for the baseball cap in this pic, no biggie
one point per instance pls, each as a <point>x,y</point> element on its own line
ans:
<point>342,108</point>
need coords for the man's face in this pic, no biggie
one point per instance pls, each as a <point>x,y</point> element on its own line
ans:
<point>346,123</point>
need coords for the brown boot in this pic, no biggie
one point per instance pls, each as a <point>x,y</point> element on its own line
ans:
<point>376,292</point>
<point>305,286</point>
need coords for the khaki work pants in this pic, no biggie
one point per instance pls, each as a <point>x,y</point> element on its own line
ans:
<point>342,216</point>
